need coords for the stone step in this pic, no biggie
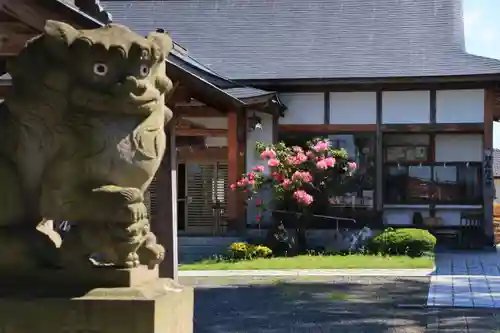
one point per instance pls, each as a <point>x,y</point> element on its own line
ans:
<point>196,248</point>
<point>200,240</point>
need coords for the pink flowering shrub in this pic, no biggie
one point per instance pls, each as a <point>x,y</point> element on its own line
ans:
<point>298,178</point>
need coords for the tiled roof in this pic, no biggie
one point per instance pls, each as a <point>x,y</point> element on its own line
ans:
<point>184,60</point>
<point>178,58</point>
<point>279,39</point>
<point>496,162</point>
<point>89,7</point>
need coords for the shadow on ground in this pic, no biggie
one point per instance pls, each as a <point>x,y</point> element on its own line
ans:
<point>354,305</point>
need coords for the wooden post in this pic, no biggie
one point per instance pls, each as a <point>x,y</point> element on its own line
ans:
<point>165,226</point>
<point>235,217</point>
<point>488,182</point>
<point>379,158</point>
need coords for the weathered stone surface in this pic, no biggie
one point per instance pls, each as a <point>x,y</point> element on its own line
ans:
<point>161,306</point>
<point>81,137</point>
<point>29,281</point>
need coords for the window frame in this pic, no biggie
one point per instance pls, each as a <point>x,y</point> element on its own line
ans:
<point>432,200</point>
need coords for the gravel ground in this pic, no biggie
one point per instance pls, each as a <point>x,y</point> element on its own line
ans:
<point>327,304</point>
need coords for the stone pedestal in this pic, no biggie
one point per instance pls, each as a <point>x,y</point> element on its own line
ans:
<point>151,306</point>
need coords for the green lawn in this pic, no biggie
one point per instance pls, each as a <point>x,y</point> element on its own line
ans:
<point>317,262</point>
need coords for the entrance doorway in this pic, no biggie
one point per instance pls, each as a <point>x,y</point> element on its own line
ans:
<point>202,197</point>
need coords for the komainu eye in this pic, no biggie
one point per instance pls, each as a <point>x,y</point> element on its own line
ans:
<point>144,70</point>
<point>100,69</point>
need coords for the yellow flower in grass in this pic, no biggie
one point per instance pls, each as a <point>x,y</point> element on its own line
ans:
<point>261,251</point>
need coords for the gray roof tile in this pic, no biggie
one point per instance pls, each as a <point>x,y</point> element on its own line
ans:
<point>277,39</point>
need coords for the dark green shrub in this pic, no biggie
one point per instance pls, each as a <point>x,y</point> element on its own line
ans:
<point>407,241</point>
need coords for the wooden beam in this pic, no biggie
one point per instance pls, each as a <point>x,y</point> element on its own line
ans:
<point>201,132</point>
<point>327,128</point>
<point>178,94</point>
<point>496,107</point>
<point>32,13</point>
<point>198,111</point>
<point>4,91</point>
<point>15,27</point>
<point>435,128</point>
<point>202,154</point>
<point>11,44</point>
<point>181,123</point>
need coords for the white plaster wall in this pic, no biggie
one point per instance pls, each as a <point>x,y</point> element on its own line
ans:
<point>460,106</point>
<point>405,107</point>
<point>252,159</point>
<point>353,108</point>
<point>402,216</point>
<point>449,216</point>
<point>459,148</point>
<point>497,191</point>
<point>303,108</point>
<point>209,122</point>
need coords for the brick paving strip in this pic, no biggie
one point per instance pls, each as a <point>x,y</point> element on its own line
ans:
<point>314,272</point>
<point>466,280</point>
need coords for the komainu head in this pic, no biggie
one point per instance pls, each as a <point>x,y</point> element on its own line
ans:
<point>110,69</point>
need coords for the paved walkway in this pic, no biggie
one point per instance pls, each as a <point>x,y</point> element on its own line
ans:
<point>461,280</point>
<point>322,304</point>
<point>312,272</point>
<point>469,279</point>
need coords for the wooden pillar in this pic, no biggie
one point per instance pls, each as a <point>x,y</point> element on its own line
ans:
<point>236,219</point>
<point>379,157</point>
<point>488,182</point>
<point>165,224</point>
<point>242,165</point>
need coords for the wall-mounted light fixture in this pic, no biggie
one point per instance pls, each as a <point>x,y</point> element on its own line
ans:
<point>254,122</point>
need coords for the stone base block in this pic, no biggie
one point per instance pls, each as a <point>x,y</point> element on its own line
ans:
<point>160,306</point>
<point>75,278</point>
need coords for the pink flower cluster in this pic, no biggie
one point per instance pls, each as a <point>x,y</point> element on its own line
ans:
<point>273,162</point>
<point>248,180</point>
<point>297,159</point>
<point>302,176</point>
<point>320,146</point>
<point>303,198</point>
<point>287,184</point>
<point>325,163</point>
<point>268,154</point>
<point>292,174</point>
<point>277,176</point>
<point>258,168</point>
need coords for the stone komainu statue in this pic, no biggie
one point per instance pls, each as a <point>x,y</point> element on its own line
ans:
<point>81,137</point>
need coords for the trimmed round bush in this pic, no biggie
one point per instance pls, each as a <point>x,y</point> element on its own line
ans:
<point>406,241</point>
